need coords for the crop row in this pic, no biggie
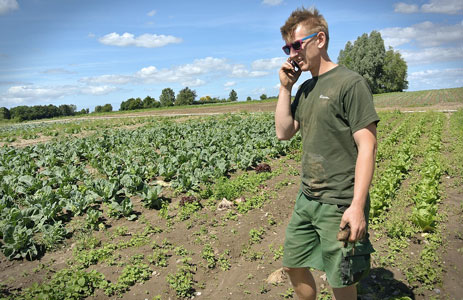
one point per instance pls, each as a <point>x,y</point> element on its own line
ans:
<point>383,190</point>
<point>387,146</point>
<point>427,189</point>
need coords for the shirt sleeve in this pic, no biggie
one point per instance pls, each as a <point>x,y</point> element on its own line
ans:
<point>359,107</point>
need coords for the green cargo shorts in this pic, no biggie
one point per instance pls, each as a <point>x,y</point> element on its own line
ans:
<point>311,242</point>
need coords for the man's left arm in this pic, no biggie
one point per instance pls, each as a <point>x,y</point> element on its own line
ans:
<point>365,140</point>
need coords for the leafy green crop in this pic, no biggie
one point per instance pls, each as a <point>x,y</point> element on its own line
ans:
<point>53,181</point>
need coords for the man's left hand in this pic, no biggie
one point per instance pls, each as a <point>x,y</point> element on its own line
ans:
<point>354,216</point>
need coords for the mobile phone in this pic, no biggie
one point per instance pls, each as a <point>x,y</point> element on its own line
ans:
<point>295,65</point>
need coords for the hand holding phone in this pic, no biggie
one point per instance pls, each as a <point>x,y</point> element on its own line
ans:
<point>295,65</point>
<point>289,73</point>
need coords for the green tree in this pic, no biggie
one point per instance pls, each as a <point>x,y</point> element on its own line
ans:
<point>167,97</point>
<point>136,103</point>
<point>107,108</point>
<point>125,104</point>
<point>132,104</point>
<point>263,97</point>
<point>233,96</point>
<point>19,113</point>
<point>248,98</point>
<point>186,96</point>
<point>149,102</point>
<point>4,113</point>
<point>384,71</point>
<point>345,56</point>
<point>83,111</point>
<point>394,72</point>
<point>67,110</point>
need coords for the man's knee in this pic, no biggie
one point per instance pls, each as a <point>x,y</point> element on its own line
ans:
<point>303,282</point>
<point>297,273</point>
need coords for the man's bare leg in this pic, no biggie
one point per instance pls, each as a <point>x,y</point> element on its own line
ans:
<point>303,283</point>
<point>345,293</point>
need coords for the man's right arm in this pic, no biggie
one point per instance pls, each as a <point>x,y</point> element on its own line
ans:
<point>285,124</point>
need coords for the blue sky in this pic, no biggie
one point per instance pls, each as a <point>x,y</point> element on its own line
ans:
<point>91,52</point>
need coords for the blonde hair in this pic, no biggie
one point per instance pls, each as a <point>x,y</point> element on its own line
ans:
<point>311,19</point>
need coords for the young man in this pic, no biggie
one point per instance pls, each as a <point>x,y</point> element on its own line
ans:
<point>334,112</point>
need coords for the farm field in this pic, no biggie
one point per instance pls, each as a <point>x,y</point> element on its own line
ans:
<point>23,134</point>
<point>134,208</point>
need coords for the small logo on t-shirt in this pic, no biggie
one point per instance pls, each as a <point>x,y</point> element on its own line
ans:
<point>324,97</point>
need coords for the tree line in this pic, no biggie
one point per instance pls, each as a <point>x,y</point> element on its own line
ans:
<point>37,112</point>
<point>167,98</point>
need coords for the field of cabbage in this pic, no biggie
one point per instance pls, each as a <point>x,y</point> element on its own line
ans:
<point>166,208</point>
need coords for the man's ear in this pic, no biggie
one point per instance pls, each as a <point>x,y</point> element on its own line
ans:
<point>321,39</point>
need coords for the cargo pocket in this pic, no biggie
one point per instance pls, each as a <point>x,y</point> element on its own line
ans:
<point>355,262</point>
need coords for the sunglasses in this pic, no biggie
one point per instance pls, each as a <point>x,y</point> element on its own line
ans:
<point>297,45</point>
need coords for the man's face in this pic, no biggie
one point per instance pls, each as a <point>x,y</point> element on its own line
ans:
<point>304,57</point>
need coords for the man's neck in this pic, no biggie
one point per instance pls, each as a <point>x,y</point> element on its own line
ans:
<point>324,66</point>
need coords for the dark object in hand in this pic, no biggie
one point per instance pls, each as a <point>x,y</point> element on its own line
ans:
<point>343,234</point>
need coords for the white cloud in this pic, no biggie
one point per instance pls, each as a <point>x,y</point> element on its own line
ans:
<point>240,70</point>
<point>8,5</point>
<point>194,82</point>
<point>229,83</point>
<point>187,74</point>
<point>450,7</point>
<point>144,40</point>
<point>91,35</point>
<point>434,79</point>
<point>268,64</point>
<point>184,74</point>
<point>30,94</point>
<point>202,66</point>
<point>426,34</point>
<point>405,8</point>
<point>432,55</point>
<point>99,90</point>
<point>151,13</point>
<point>107,79</point>
<point>41,92</point>
<point>26,94</point>
<point>272,2</point>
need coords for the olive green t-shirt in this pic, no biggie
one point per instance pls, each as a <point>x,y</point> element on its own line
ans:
<point>330,108</point>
